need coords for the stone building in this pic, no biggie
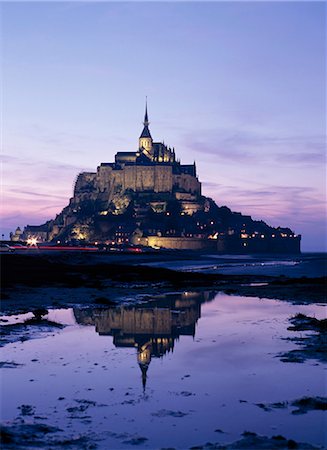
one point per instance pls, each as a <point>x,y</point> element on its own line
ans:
<point>17,235</point>
<point>147,197</point>
<point>152,169</point>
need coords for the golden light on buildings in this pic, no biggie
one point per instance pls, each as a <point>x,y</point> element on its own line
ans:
<point>32,241</point>
<point>133,186</point>
<point>144,354</point>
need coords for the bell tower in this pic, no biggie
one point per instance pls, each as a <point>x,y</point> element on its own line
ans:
<point>145,140</point>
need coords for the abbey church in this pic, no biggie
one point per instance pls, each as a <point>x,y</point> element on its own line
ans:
<point>148,198</point>
<point>152,169</point>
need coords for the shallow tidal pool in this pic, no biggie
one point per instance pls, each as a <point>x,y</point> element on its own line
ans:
<point>175,372</point>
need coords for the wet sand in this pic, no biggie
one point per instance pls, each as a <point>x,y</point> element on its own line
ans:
<point>208,375</point>
<point>236,367</point>
<point>36,281</point>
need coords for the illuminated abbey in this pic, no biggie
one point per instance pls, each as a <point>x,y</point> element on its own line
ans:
<point>151,173</point>
<point>147,197</point>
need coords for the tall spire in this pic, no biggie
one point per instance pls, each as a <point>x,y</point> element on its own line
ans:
<point>146,120</point>
<point>146,132</point>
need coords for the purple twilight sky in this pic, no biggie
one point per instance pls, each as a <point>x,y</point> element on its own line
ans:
<point>239,87</point>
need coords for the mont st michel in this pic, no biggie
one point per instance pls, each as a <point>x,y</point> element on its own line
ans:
<point>163,281</point>
<point>149,198</point>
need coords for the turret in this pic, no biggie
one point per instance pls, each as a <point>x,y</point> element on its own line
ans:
<point>145,140</point>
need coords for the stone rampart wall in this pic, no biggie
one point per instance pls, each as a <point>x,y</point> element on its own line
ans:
<point>188,183</point>
<point>178,243</point>
<point>137,178</point>
<point>231,244</point>
<point>148,178</point>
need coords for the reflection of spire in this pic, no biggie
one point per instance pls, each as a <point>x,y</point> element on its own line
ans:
<point>144,370</point>
<point>144,359</point>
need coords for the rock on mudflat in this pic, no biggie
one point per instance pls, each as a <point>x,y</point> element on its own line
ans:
<point>254,441</point>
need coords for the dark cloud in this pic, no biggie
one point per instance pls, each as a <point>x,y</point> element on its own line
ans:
<point>22,162</point>
<point>277,205</point>
<point>60,139</point>
<point>308,158</point>
<point>250,147</point>
<point>7,159</point>
<point>36,194</point>
<point>219,149</point>
<point>212,184</point>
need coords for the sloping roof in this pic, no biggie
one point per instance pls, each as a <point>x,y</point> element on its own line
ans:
<point>144,159</point>
<point>146,132</point>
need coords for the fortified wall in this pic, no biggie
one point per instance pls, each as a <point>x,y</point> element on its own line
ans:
<point>111,178</point>
<point>178,243</point>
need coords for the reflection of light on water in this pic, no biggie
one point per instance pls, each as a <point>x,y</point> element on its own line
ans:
<point>15,318</point>
<point>276,263</point>
<point>62,316</point>
<point>231,359</point>
<point>229,265</point>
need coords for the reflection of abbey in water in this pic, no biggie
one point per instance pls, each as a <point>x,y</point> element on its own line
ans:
<point>152,328</point>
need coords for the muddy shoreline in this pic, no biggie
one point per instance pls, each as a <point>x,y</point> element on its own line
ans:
<point>45,281</point>
<point>80,371</point>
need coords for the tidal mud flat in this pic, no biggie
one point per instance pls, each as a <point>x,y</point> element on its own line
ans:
<point>170,362</point>
<point>43,280</point>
